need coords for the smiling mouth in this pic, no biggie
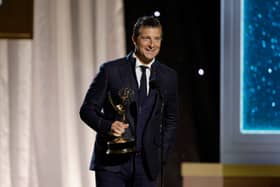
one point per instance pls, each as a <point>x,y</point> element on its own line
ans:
<point>150,50</point>
<point>150,53</point>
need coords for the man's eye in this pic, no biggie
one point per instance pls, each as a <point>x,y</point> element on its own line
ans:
<point>157,39</point>
<point>147,39</point>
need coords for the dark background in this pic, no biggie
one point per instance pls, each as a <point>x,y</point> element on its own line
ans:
<point>191,40</point>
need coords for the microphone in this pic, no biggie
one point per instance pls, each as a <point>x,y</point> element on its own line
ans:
<point>154,84</point>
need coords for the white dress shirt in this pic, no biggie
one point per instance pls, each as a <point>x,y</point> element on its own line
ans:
<point>139,72</point>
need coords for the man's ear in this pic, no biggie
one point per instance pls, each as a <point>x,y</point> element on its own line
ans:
<point>133,38</point>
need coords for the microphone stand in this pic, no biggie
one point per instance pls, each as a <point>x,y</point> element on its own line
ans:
<point>155,84</point>
<point>161,143</point>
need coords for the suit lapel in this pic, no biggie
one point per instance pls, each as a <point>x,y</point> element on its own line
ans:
<point>128,77</point>
<point>128,80</point>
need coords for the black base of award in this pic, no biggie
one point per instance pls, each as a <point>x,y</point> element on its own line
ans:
<point>121,146</point>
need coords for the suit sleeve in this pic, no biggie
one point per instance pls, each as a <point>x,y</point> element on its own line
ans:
<point>91,109</point>
<point>171,115</point>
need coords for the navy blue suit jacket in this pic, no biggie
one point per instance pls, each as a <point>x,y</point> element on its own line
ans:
<point>97,112</point>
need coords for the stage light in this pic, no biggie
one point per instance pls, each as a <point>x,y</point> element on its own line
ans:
<point>157,13</point>
<point>201,72</point>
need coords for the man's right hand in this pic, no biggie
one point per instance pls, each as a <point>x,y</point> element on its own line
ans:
<point>118,128</point>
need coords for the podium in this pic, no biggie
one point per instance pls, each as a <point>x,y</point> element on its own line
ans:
<point>229,175</point>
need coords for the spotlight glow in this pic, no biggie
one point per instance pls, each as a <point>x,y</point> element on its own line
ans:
<point>201,72</point>
<point>157,13</point>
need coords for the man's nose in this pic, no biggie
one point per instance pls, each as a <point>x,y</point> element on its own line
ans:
<point>152,43</point>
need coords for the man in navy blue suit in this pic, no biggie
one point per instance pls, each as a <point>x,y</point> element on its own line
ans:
<point>151,115</point>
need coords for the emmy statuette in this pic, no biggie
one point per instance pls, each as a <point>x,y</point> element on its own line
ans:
<point>121,145</point>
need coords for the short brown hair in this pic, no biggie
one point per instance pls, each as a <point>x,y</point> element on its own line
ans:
<point>145,21</point>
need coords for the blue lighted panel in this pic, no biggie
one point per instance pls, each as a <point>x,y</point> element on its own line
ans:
<point>260,66</point>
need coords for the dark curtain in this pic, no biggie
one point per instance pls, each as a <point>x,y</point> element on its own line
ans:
<point>191,40</point>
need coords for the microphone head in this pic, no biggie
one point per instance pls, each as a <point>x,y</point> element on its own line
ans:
<point>154,84</point>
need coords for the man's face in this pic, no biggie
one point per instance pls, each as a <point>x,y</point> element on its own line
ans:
<point>147,44</point>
